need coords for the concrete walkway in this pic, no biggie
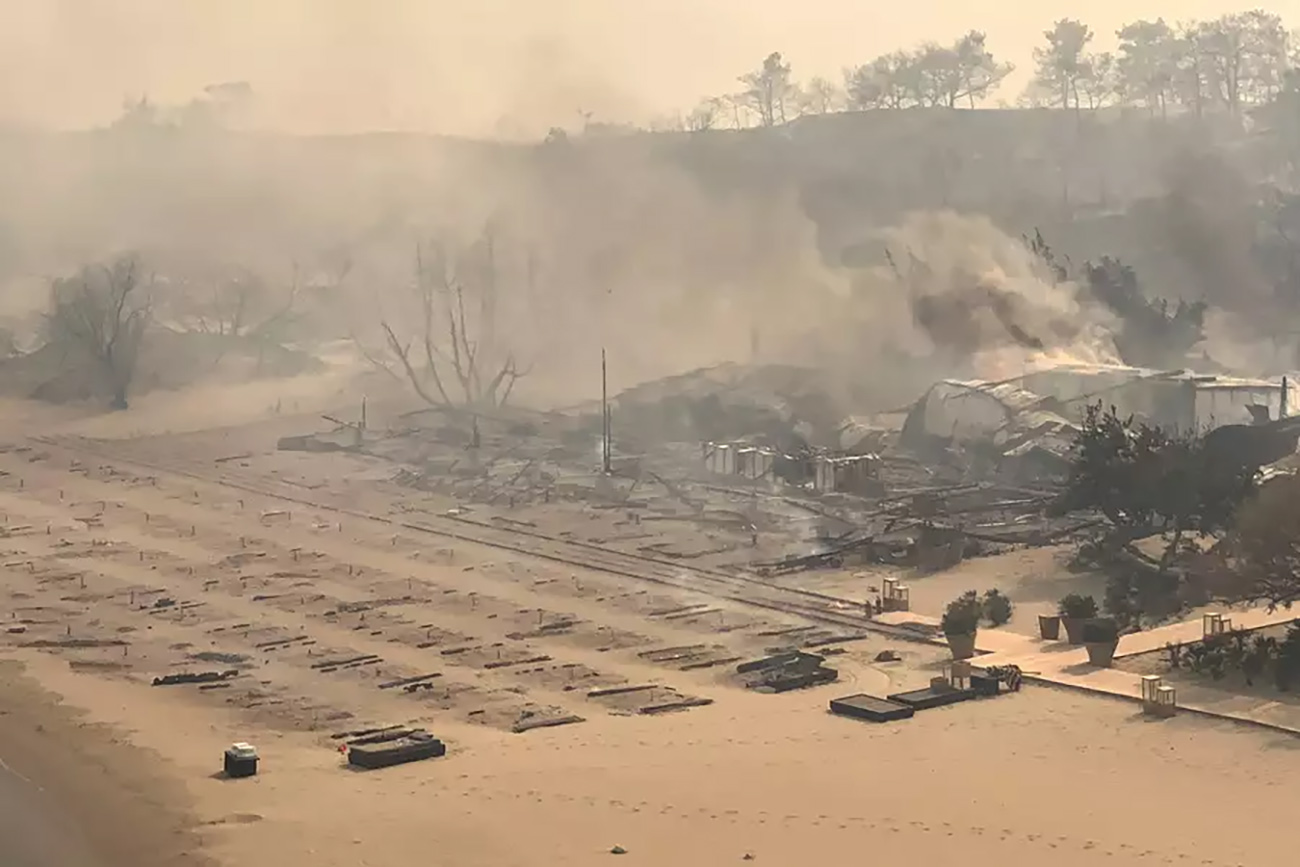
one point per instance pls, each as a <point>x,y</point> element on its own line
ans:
<point>1058,663</point>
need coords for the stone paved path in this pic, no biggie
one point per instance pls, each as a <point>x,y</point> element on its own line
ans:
<point>1064,665</point>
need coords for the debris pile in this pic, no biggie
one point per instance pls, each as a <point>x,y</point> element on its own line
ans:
<point>782,672</point>
<point>768,469</point>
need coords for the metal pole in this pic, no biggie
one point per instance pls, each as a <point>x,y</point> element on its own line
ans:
<point>604,414</point>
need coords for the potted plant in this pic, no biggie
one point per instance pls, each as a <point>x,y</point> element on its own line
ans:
<point>1101,637</point>
<point>1075,610</point>
<point>960,622</point>
<point>1049,627</point>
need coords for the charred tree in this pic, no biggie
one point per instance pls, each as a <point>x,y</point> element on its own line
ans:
<point>98,318</point>
<point>450,351</point>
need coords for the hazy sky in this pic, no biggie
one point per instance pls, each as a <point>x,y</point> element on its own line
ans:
<point>465,65</point>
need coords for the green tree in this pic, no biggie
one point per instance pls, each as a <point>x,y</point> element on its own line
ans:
<point>769,90</point>
<point>1147,63</point>
<point>1098,82</point>
<point>1063,61</point>
<point>819,96</point>
<point>933,75</point>
<point>981,72</point>
<point>890,81</point>
<point>1264,545</point>
<point>1244,58</point>
<point>1147,482</point>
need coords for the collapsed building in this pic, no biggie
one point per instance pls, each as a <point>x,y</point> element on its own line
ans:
<point>764,468</point>
<point>1035,416</point>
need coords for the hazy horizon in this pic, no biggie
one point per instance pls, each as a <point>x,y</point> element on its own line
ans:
<point>500,67</point>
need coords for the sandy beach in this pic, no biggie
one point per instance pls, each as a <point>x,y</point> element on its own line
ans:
<point>1044,776</point>
<point>114,574</point>
<point>77,793</point>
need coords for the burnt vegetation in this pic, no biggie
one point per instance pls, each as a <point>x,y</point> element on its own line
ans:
<point>97,323</point>
<point>447,346</point>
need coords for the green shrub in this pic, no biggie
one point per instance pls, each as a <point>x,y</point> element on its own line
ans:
<point>962,616</point>
<point>997,607</point>
<point>1262,651</point>
<point>1077,607</point>
<point>1100,630</point>
<point>1287,669</point>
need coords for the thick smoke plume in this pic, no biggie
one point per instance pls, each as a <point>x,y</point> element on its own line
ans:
<point>985,302</point>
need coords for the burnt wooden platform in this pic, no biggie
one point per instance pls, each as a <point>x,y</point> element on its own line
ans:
<point>411,747</point>
<point>868,707</point>
<point>932,696</point>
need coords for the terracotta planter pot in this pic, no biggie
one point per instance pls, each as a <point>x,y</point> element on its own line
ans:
<point>1101,653</point>
<point>1074,629</point>
<point>962,646</point>
<point>1049,626</point>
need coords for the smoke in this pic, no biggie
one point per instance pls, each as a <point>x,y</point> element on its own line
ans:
<point>1236,244</point>
<point>1208,219</point>
<point>983,301</point>
<point>629,242</point>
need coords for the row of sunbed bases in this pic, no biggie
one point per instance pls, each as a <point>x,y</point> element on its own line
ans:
<point>940,692</point>
<point>397,745</point>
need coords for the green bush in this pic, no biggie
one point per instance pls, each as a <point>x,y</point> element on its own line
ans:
<point>1262,652</point>
<point>1287,668</point>
<point>1100,630</point>
<point>1077,607</point>
<point>962,616</point>
<point>997,607</point>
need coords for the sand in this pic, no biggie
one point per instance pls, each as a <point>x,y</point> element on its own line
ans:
<point>77,794</point>
<point>128,770</point>
<point>1043,776</point>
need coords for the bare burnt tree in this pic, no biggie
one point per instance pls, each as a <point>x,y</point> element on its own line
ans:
<point>242,311</point>
<point>99,318</point>
<point>450,352</point>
